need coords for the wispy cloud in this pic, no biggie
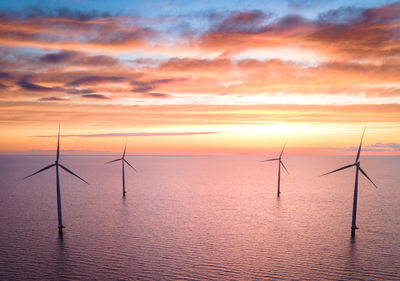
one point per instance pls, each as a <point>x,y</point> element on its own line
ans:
<point>199,115</point>
<point>156,134</point>
<point>373,147</point>
<point>391,146</point>
<point>68,151</point>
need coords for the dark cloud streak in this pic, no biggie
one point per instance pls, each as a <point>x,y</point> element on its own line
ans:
<point>33,87</point>
<point>95,96</point>
<point>60,57</point>
<point>90,80</point>
<point>158,95</point>
<point>52,99</point>
<point>4,75</point>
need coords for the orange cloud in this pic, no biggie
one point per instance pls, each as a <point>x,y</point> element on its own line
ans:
<point>371,34</point>
<point>219,76</point>
<point>106,34</point>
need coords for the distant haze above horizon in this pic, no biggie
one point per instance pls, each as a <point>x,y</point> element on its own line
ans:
<point>222,77</point>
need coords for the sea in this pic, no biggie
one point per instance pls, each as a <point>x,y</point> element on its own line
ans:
<point>199,218</point>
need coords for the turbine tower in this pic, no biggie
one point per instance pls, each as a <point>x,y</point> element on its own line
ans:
<point>123,160</point>
<point>57,164</point>
<point>358,168</point>
<point>279,159</point>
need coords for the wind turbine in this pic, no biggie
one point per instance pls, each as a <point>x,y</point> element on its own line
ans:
<point>279,159</point>
<point>358,168</point>
<point>57,164</point>
<point>123,160</point>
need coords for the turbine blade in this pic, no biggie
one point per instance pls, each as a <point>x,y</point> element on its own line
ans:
<point>58,144</point>
<point>284,166</point>
<point>41,170</point>
<point>362,171</point>
<point>283,149</point>
<point>359,148</point>
<point>72,173</point>
<point>130,166</point>
<point>113,160</point>
<point>123,155</point>
<point>345,167</point>
<point>272,159</point>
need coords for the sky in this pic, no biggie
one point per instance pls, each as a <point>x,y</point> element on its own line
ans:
<point>200,77</point>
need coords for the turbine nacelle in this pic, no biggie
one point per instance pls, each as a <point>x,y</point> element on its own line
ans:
<point>56,163</point>
<point>356,163</point>
<point>279,159</point>
<point>122,159</point>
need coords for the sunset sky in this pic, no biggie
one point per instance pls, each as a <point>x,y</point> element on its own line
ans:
<point>199,77</point>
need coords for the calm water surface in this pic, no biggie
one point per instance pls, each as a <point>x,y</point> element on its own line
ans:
<point>199,218</point>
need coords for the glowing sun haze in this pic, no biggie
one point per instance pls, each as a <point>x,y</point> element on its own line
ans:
<point>176,77</point>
